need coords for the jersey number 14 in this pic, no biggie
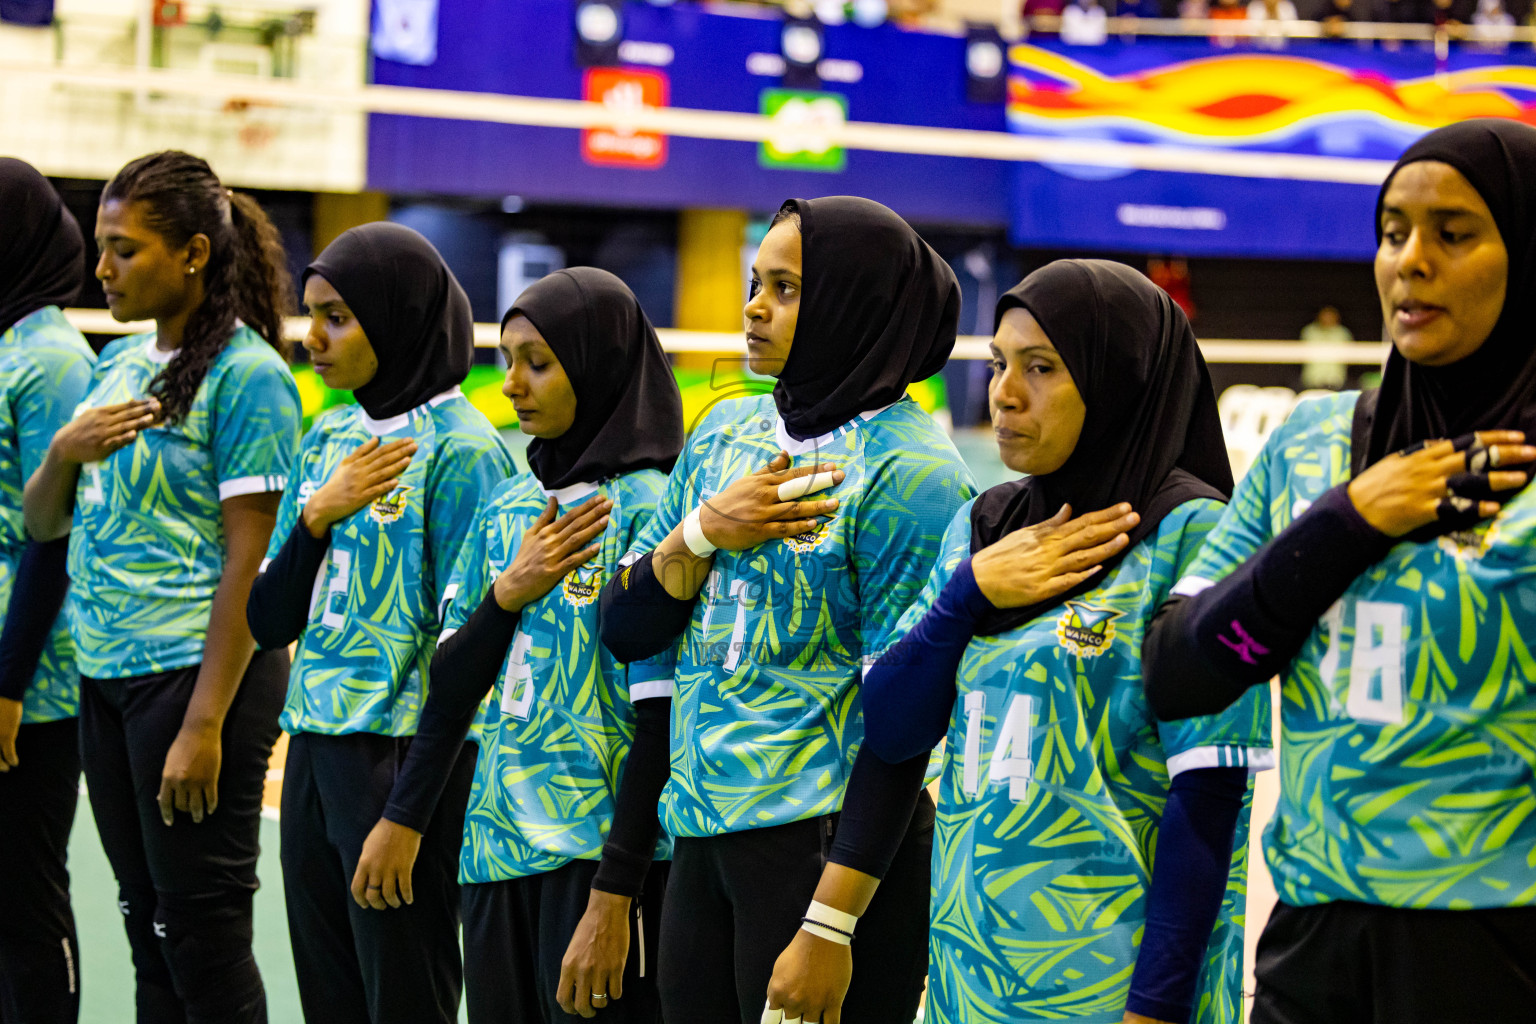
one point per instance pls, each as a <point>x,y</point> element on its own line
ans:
<point>1011,761</point>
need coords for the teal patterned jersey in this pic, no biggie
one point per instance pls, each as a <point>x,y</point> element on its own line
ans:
<point>147,548</point>
<point>1054,781</point>
<point>362,662</point>
<point>766,720</point>
<point>45,367</point>
<point>557,727</point>
<point>1408,719</point>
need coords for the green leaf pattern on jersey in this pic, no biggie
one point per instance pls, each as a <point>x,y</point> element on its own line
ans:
<point>45,367</point>
<point>362,662</point>
<point>146,551</point>
<point>557,727</point>
<point>766,720</point>
<point>1053,786</point>
<point>1408,719</point>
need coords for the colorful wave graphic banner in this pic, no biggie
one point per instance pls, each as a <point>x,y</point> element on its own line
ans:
<point>1318,98</point>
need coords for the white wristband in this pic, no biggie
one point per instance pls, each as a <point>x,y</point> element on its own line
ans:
<point>693,536</point>
<point>823,932</point>
<point>831,917</point>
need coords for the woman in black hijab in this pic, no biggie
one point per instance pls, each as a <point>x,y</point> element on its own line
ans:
<point>848,307</point>
<point>42,257</point>
<point>45,369</point>
<point>379,506</point>
<point>588,379</point>
<point>1378,557</point>
<point>1025,648</point>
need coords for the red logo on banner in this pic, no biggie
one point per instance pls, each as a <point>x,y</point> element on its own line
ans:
<point>624,90</point>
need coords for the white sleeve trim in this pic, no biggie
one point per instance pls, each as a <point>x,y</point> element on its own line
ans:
<point>1189,586</point>
<point>442,637</point>
<point>251,485</point>
<point>264,563</point>
<point>1225,755</point>
<point>650,688</point>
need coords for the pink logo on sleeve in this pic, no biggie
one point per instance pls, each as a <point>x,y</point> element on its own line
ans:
<point>1247,648</point>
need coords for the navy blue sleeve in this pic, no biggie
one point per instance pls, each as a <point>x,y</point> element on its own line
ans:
<point>278,609</point>
<point>909,693</point>
<point>639,618</point>
<point>877,811</point>
<point>1203,651</point>
<point>37,594</point>
<point>1189,880</point>
<point>631,839</point>
<point>463,672</point>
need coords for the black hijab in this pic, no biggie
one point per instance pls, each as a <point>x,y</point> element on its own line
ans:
<point>629,412</point>
<point>878,311</point>
<point>410,305</point>
<point>1494,387</point>
<point>1151,434</point>
<point>42,256</point>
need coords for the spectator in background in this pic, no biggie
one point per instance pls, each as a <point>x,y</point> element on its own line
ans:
<point>1139,9</point>
<point>1335,17</point>
<point>1493,26</point>
<point>1447,14</point>
<point>1325,330</point>
<point>1172,276</point>
<point>1400,12</point>
<point>1084,23</point>
<point>1403,12</point>
<point>1273,14</point>
<point>1047,8</point>
<point>1194,10</point>
<point>1226,10</point>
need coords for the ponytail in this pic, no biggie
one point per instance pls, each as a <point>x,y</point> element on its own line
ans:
<point>246,277</point>
<point>262,290</point>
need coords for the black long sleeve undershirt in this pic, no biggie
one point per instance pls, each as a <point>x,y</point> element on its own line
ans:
<point>37,595</point>
<point>463,672</point>
<point>1189,881</point>
<point>639,618</point>
<point>631,840</point>
<point>278,608</point>
<point>877,811</point>
<point>1203,651</point>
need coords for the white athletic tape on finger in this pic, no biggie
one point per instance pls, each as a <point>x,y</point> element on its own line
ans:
<point>693,536</point>
<point>799,487</point>
<point>772,1016</point>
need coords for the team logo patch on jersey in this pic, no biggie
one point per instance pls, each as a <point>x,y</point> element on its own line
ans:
<point>1473,543</point>
<point>1086,630</point>
<point>805,543</point>
<point>580,586</point>
<point>390,507</point>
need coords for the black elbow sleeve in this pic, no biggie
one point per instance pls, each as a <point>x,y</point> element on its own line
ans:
<point>278,607</point>
<point>1180,681</point>
<point>639,619</point>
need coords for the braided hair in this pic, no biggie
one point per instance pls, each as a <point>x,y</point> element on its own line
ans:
<point>246,276</point>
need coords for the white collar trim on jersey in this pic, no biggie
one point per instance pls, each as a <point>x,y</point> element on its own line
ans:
<point>794,446</point>
<point>159,355</point>
<point>388,426</point>
<point>571,493</point>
